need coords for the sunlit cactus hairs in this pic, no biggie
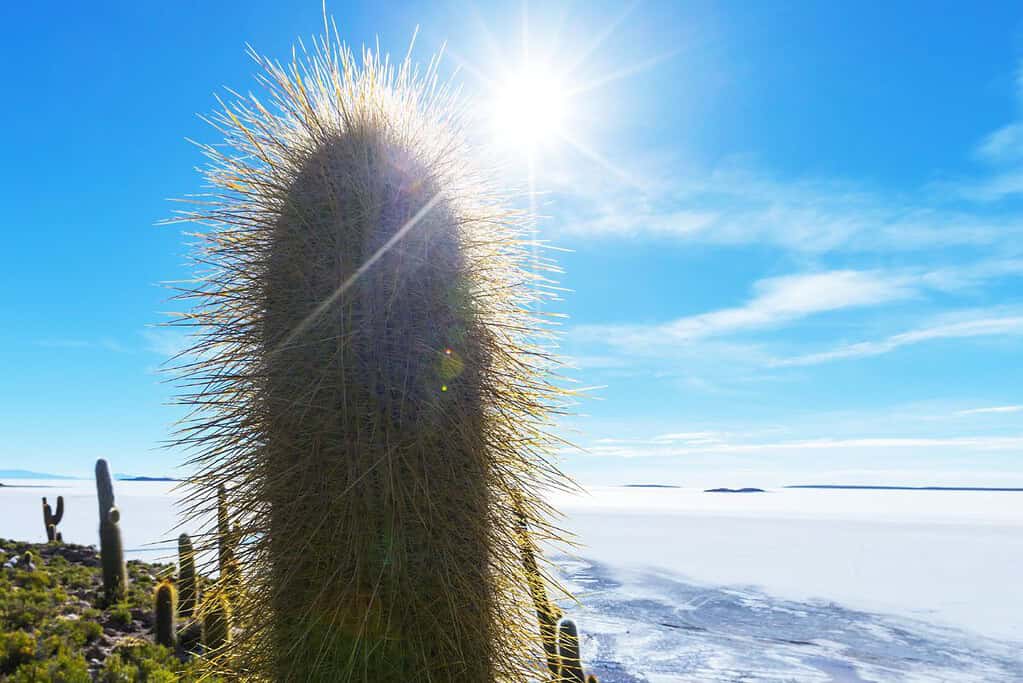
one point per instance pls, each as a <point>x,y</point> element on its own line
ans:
<point>371,379</point>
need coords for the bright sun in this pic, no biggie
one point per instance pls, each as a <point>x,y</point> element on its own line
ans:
<point>529,108</point>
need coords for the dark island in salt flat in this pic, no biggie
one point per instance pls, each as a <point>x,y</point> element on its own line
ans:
<point>726,490</point>
<point>126,478</point>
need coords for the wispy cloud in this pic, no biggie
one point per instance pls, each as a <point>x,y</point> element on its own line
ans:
<point>166,341</point>
<point>775,301</point>
<point>654,449</point>
<point>730,205</point>
<point>992,409</point>
<point>1003,145</point>
<point>982,327</point>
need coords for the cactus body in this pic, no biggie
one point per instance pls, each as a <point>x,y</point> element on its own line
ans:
<point>372,390</point>
<point>186,576</point>
<point>165,607</point>
<point>52,520</point>
<point>216,624</point>
<point>115,576</point>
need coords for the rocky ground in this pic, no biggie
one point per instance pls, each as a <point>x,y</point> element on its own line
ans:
<point>55,627</point>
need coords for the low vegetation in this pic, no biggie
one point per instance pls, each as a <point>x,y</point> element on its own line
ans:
<point>55,626</point>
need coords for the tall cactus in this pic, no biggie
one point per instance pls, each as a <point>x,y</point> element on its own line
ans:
<point>165,608</point>
<point>186,576</point>
<point>115,575</point>
<point>370,380</point>
<point>51,520</point>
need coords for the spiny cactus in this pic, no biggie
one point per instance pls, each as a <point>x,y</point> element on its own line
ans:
<point>52,520</point>
<point>186,576</point>
<point>547,612</point>
<point>216,623</point>
<point>115,576</point>
<point>370,380</point>
<point>166,607</point>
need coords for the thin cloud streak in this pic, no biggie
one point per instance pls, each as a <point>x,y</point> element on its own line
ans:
<point>992,409</point>
<point>995,326</point>
<point>776,301</point>
<point>969,443</point>
<point>735,207</point>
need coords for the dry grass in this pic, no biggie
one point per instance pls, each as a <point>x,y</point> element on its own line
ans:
<point>371,380</point>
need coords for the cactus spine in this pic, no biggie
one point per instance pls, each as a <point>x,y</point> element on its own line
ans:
<point>52,520</point>
<point>166,607</point>
<point>186,576</point>
<point>216,624</point>
<point>371,380</point>
<point>115,576</point>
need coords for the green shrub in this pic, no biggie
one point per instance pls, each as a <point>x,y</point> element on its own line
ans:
<point>64,668</point>
<point>16,648</point>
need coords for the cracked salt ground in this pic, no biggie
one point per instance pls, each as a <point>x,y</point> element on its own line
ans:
<point>646,626</point>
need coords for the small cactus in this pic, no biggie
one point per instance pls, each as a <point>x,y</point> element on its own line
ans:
<point>186,576</point>
<point>115,576</point>
<point>52,520</point>
<point>571,670</point>
<point>166,605</point>
<point>27,562</point>
<point>216,624</point>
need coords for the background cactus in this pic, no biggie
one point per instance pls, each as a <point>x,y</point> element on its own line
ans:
<point>571,667</point>
<point>165,608</point>
<point>186,576</point>
<point>369,381</point>
<point>547,612</point>
<point>216,623</point>
<point>115,576</point>
<point>226,540</point>
<point>52,520</point>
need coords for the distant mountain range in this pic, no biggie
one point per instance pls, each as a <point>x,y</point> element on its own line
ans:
<point>27,474</point>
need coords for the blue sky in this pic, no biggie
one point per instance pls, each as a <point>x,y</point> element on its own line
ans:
<point>796,229</point>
